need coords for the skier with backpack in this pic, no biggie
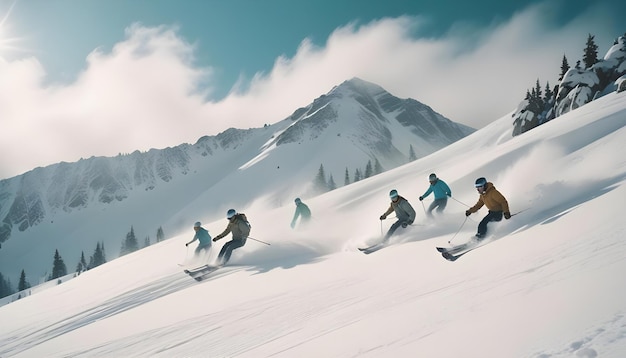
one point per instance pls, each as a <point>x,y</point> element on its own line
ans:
<point>239,226</point>
<point>493,200</point>
<point>404,213</point>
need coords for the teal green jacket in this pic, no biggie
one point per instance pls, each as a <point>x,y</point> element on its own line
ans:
<point>301,210</point>
<point>440,188</point>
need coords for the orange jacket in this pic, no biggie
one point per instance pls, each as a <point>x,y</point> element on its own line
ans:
<point>492,199</point>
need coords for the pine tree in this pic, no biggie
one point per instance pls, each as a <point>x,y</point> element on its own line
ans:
<point>331,183</point>
<point>564,68</point>
<point>377,167</point>
<point>82,263</point>
<point>590,55</point>
<point>23,284</point>
<point>368,169</point>
<point>146,242</point>
<point>412,155</point>
<point>98,258</point>
<point>548,94</point>
<point>130,244</point>
<point>5,287</point>
<point>357,175</point>
<point>346,178</point>
<point>320,184</point>
<point>58,266</point>
<point>160,236</point>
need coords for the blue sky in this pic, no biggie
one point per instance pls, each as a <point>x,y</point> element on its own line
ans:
<point>83,78</point>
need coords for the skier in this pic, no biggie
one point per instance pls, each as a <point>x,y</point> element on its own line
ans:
<point>404,213</point>
<point>203,236</point>
<point>239,226</point>
<point>441,192</point>
<point>303,211</point>
<point>495,202</point>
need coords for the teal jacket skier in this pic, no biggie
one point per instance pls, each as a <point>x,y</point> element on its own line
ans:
<point>202,235</point>
<point>303,211</point>
<point>441,192</point>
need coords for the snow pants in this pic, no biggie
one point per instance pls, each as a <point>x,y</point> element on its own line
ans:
<point>491,216</point>
<point>440,204</point>
<point>227,249</point>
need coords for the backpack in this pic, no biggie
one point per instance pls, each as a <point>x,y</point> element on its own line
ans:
<point>243,223</point>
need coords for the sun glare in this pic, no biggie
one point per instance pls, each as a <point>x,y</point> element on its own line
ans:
<point>7,42</point>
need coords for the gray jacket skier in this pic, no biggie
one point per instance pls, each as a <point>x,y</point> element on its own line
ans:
<point>404,213</point>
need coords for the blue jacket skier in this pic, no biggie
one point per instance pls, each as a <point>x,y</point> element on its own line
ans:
<point>404,213</point>
<point>303,211</point>
<point>239,226</point>
<point>441,192</point>
<point>202,235</point>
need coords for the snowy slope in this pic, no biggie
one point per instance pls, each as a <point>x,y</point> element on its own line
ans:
<point>549,285</point>
<point>66,205</point>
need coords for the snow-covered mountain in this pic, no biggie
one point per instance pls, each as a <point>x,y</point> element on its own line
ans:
<point>68,205</point>
<point>548,286</point>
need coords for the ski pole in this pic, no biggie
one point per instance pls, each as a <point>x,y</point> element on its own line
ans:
<point>457,232</point>
<point>381,228</point>
<point>263,242</point>
<point>423,206</point>
<point>459,202</point>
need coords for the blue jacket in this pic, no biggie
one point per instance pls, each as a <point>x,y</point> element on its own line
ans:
<point>301,210</point>
<point>203,236</point>
<point>440,188</point>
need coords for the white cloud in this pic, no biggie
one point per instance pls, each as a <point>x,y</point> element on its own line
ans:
<point>146,92</point>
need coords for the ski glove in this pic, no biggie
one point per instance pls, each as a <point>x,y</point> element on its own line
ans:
<point>449,194</point>
<point>468,213</point>
<point>421,198</point>
<point>404,225</point>
<point>383,217</point>
<point>507,215</point>
<point>187,244</point>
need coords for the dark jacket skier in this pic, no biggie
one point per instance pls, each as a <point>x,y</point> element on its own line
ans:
<point>493,200</point>
<point>239,226</point>
<point>202,235</point>
<point>303,211</point>
<point>441,192</point>
<point>404,213</point>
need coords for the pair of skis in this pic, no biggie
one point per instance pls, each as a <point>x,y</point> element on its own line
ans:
<point>202,272</point>
<point>448,253</point>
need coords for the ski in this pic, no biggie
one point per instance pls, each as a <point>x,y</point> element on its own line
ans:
<point>200,272</point>
<point>455,252</point>
<point>373,248</point>
<point>197,269</point>
<point>201,275</point>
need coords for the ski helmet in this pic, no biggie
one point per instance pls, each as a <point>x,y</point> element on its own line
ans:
<point>230,213</point>
<point>197,224</point>
<point>480,182</point>
<point>298,201</point>
<point>393,194</point>
<point>432,177</point>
